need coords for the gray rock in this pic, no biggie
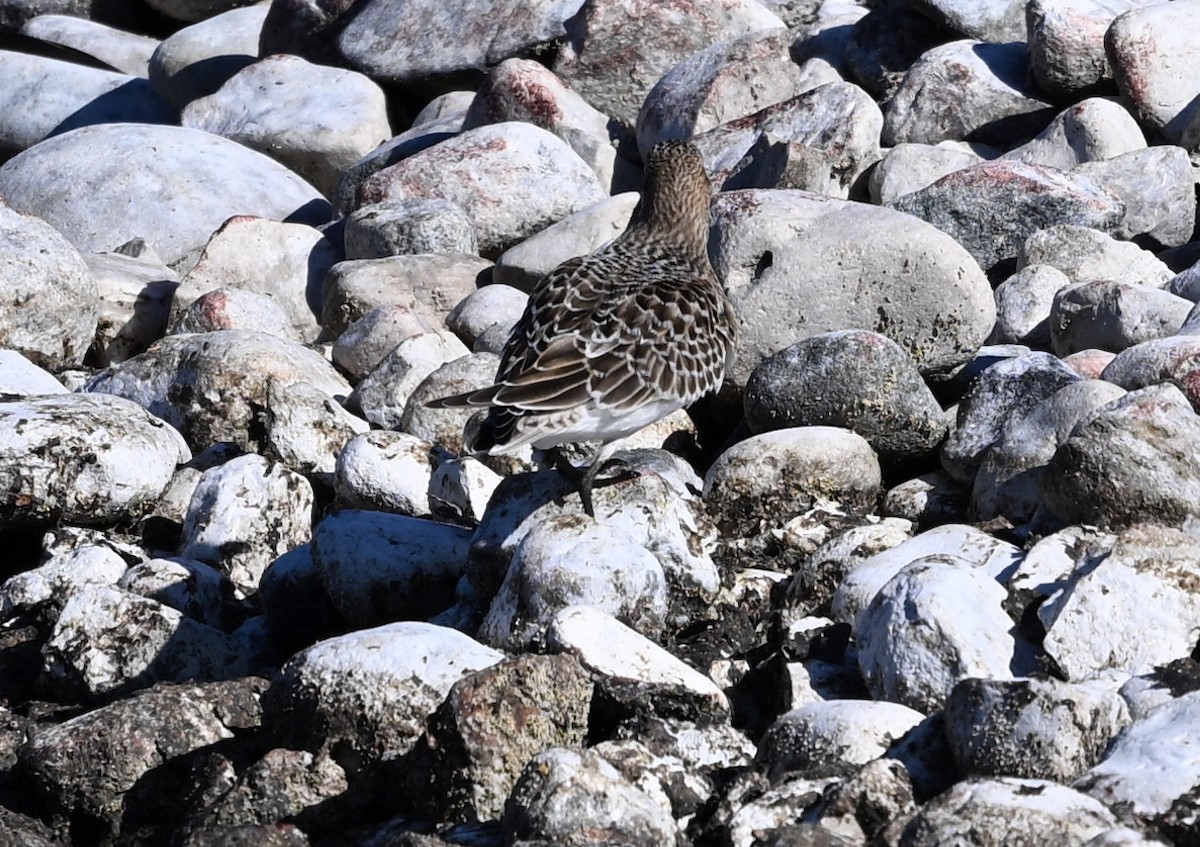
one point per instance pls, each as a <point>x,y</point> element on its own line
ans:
<point>885,42</point>
<point>1153,67</point>
<point>192,10</point>
<point>727,81</point>
<point>369,692</point>
<point>570,797</point>
<point>196,60</point>
<point>380,567</point>
<point>122,51</point>
<point>294,601</point>
<point>910,167</point>
<point>1123,464</point>
<point>394,228</point>
<point>1085,255</point>
<point>614,65</point>
<point>83,459</point>
<point>21,378</point>
<point>306,429</point>
<point>212,386</point>
<point>1158,190</point>
<point>1032,728</point>
<point>44,97</point>
<point>1173,360</point>
<point>1099,618</point>
<point>365,342</point>
<point>1023,304</point>
<point>1009,811</point>
<point>796,265</point>
<point>490,306</point>
<point>1066,44</point>
<point>281,106</point>
<point>385,471</point>
<point>429,285</point>
<point>234,308</point>
<point>966,91</point>
<point>565,561</point>
<point>991,208</point>
<point>525,90</point>
<point>136,292</point>
<point>243,515</point>
<point>1005,391</point>
<point>512,179</point>
<point>1091,130</point>
<point>928,500</point>
<point>524,264</point>
<point>998,21</point>
<point>820,141</point>
<point>384,393</point>
<point>43,590</point>
<point>413,140</point>
<point>49,312</point>
<point>445,426</point>
<point>199,591</point>
<point>174,186</point>
<point>286,262</point>
<point>1113,316</point>
<point>1186,283</point>
<point>852,379</point>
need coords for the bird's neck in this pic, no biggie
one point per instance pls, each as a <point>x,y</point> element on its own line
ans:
<point>672,219</point>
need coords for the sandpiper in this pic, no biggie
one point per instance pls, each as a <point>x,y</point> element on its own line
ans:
<point>618,339</point>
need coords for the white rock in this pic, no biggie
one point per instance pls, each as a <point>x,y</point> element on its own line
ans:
<point>57,580</point>
<point>83,459</point>
<point>365,342</point>
<point>1086,255</point>
<point>136,291</point>
<point>381,567</point>
<point>1157,187</point>
<point>1090,130</point>
<point>490,306</point>
<point>1050,562</point>
<point>466,486</point>
<point>243,514</point>
<point>385,471</point>
<point>384,393</point>
<point>174,186</point>
<point>194,589</point>
<point>20,377</point>
<point>197,60</point>
<point>306,429</point>
<point>910,167</point>
<point>126,52</point>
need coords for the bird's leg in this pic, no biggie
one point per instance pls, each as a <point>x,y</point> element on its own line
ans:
<point>585,480</point>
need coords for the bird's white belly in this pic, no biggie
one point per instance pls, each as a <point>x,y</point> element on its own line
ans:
<point>609,424</point>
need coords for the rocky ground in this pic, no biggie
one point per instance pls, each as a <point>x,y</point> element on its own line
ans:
<point>927,572</point>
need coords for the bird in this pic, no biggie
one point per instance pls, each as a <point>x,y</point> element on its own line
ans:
<point>615,340</point>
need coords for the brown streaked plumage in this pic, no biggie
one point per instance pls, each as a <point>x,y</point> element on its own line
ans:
<point>615,340</point>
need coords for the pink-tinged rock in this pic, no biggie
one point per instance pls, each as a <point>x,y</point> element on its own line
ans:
<point>991,208</point>
<point>617,50</point>
<point>1089,364</point>
<point>48,309</point>
<point>1175,360</point>
<point>966,91</point>
<point>314,119</point>
<point>821,141</point>
<point>523,90</point>
<point>512,179</point>
<point>721,83</point>
<point>1153,55</point>
<point>1066,43</point>
<point>234,308</point>
<point>413,140</point>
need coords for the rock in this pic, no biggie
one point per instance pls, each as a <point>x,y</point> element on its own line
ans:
<point>413,140</point>
<point>997,21</point>
<point>385,471</point>
<point>1151,771</point>
<point>495,720</point>
<point>523,265</point>
<point>108,642</point>
<point>197,60</point>
<point>570,797</point>
<point>212,386</point>
<point>490,306</point>
<point>45,97</point>
<point>234,308</point>
<point>928,500</point>
<point>1004,392</point>
<point>429,285</point>
<point>1009,480</point>
<point>1113,316</point>
<point>245,513</point>
<point>175,185</point>
<point>718,84</point>
<point>1023,304</point>
<point>1087,255</point>
<point>384,393</point>
<point>1091,130</point>
<point>1100,618</point>
<point>525,90</point>
<point>49,312</point>
<point>286,262</point>
<point>885,42</point>
<point>1153,67</point>
<point>369,692</point>
<point>379,568</point>
<point>796,265</point>
<point>306,429</point>
<point>852,379</point>
<point>1089,364</point>
<point>21,378</point>
<point>1032,728</point>
<point>998,559</point>
<point>89,765</point>
<point>1066,44</point>
<point>913,649</point>
<point>82,459</point>
<point>564,562</point>
<point>464,487</point>
<point>394,228</point>
<point>136,292</point>
<point>125,52</point>
<point>1173,360</point>
<point>966,91</point>
<point>43,590</point>
<point>910,167</point>
<point>195,589</point>
<point>822,739</point>
<point>778,812</point>
<point>295,603</point>
<point>365,342</point>
<point>444,426</point>
<point>992,207</point>
<point>512,179</point>
<point>613,64</point>
<point>767,479</point>
<point>1008,811</point>
<point>1157,188</point>
<point>1122,465</point>
<point>820,141</point>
